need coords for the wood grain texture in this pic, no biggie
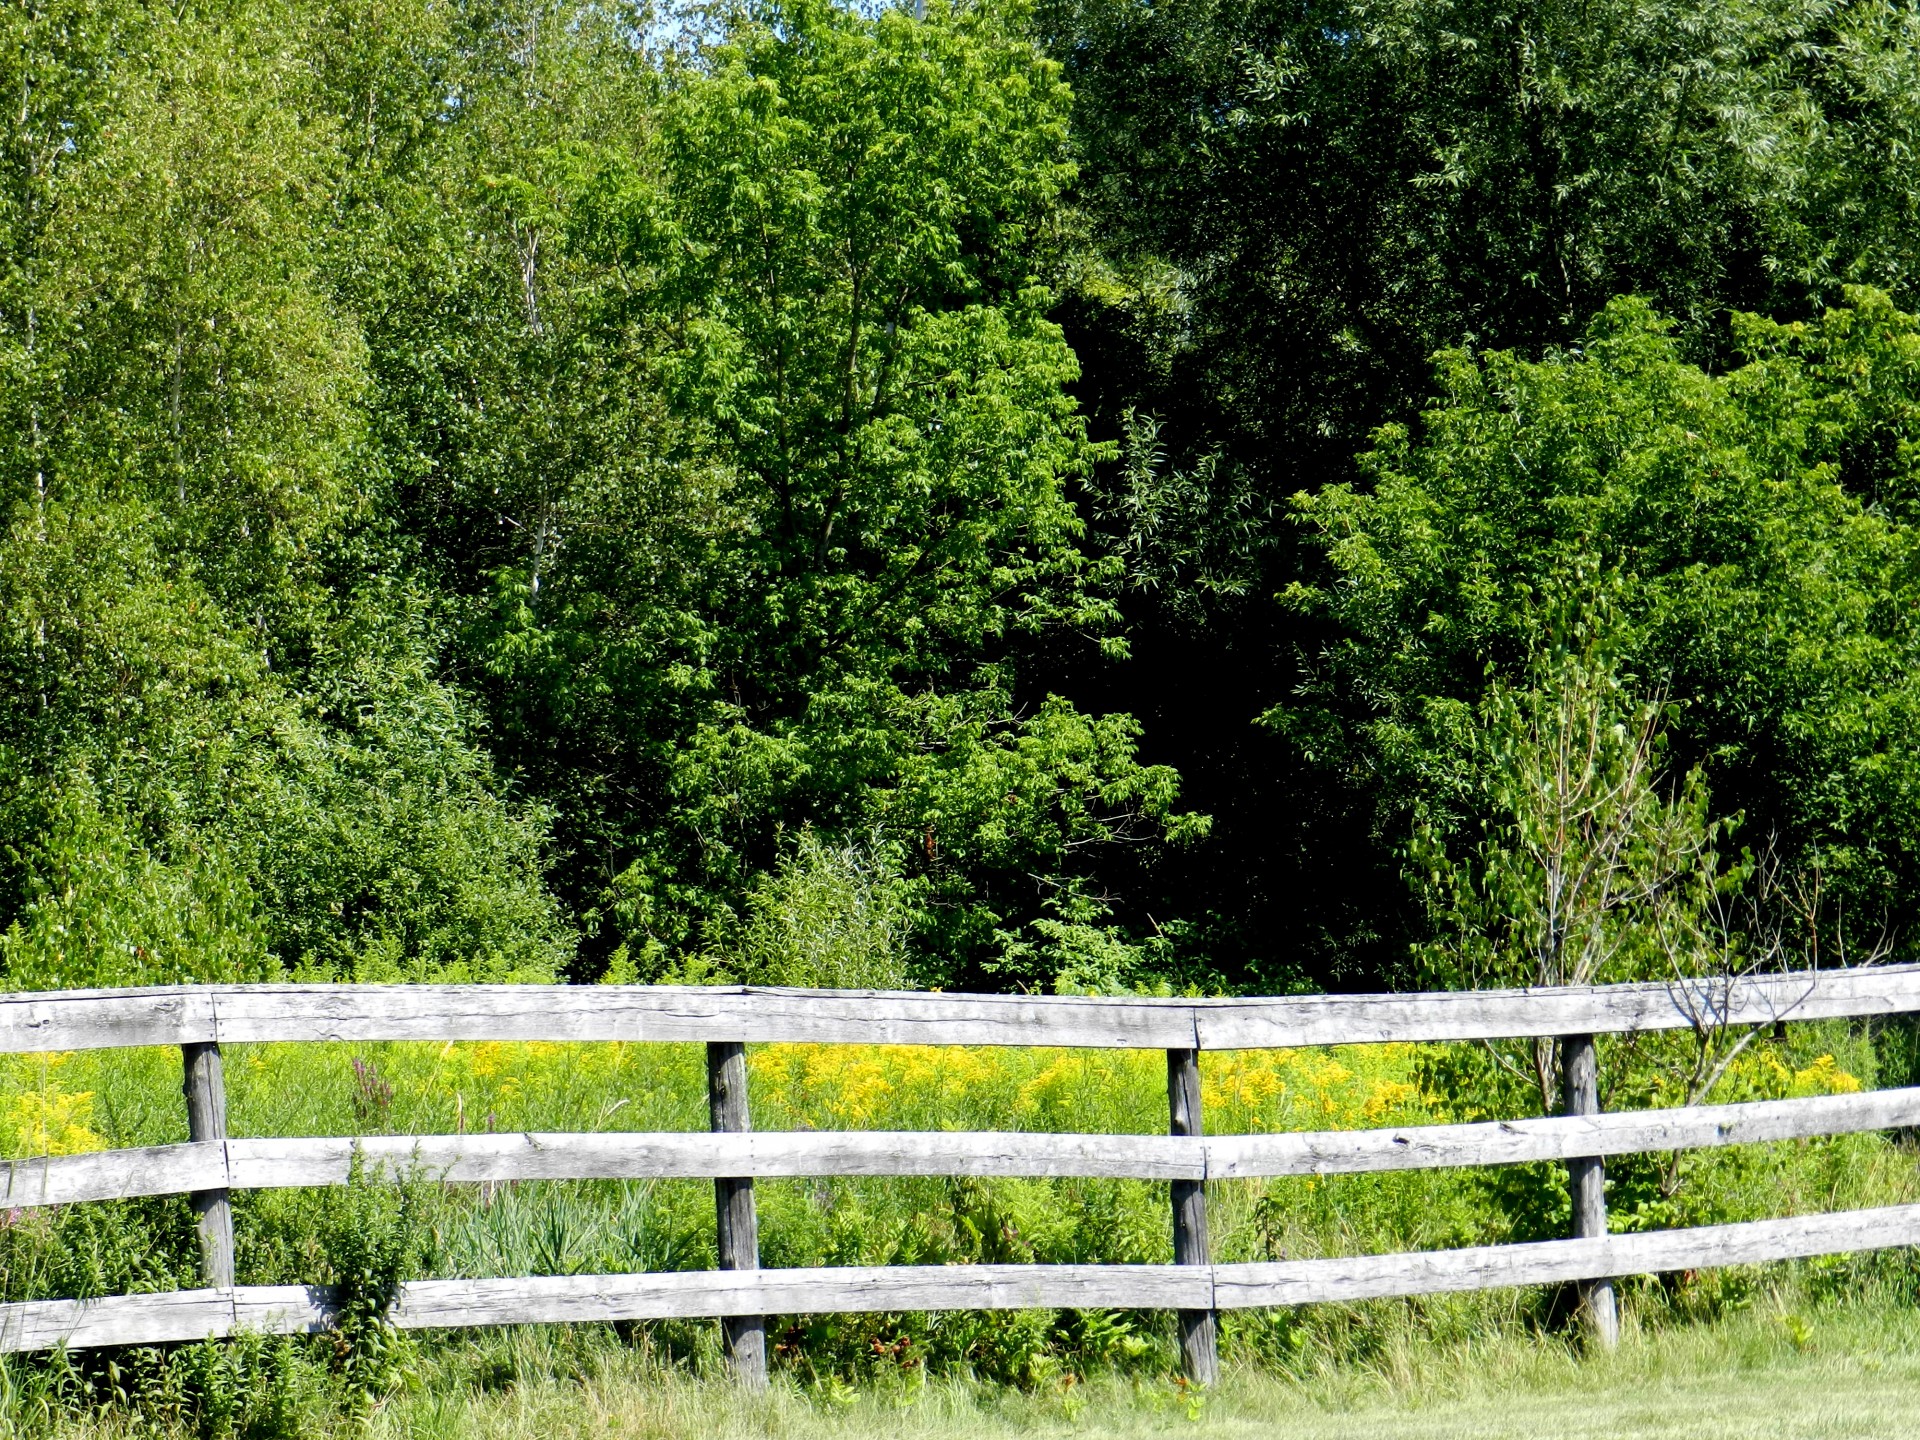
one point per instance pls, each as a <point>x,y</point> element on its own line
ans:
<point>1557,1137</point>
<point>837,1289</point>
<point>1572,1010</point>
<point>78,1020</point>
<point>693,1013</point>
<point>116,1320</point>
<point>282,1163</point>
<point>736,1220</point>
<point>425,1304</point>
<point>173,1316</point>
<point>1587,1184</point>
<point>1198,1329</point>
<point>111,1175</point>
<point>1491,1267</point>
<point>103,1019</point>
<point>269,1164</point>
<point>204,1087</point>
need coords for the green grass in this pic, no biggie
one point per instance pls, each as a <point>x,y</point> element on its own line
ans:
<point>1771,1372</point>
<point>1782,1367</point>
<point>1450,1365</point>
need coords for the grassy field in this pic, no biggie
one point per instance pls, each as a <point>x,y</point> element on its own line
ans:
<point>1724,1353</point>
<point>1771,1372</point>
<point>1767,1375</point>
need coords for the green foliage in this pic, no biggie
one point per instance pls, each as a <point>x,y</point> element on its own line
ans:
<point>1288,210</point>
<point>1407,177</point>
<point>371,1237</point>
<point>798,482</point>
<point>1754,584</point>
<point>116,1247</point>
<point>103,912</point>
<point>1590,873</point>
<point>832,917</point>
<point>226,740</point>
<point>529,489</point>
<point>250,1388</point>
<point>476,483</point>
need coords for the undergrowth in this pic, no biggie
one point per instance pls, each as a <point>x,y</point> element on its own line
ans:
<point>367,1237</point>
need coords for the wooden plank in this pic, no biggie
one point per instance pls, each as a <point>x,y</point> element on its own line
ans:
<point>835,1289</point>
<point>280,1163</point>
<point>111,1175</point>
<point>1557,1137</point>
<point>102,1019</point>
<point>75,1020</point>
<point>166,1318</point>
<point>736,1221</point>
<point>424,1304</point>
<point>283,1309</point>
<point>116,1320</point>
<point>1574,1010</point>
<point>693,1013</point>
<point>1587,1184</point>
<point>1492,1267</point>
<point>254,1164</point>
<point>617,1155</point>
<point>205,1087</point>
<point>1199,1331</point>
<point>427,1304</point>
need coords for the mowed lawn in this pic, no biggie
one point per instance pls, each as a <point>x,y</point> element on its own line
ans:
<point>1768,1375</point>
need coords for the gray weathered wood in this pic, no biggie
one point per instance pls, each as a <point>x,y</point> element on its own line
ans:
<point>268,1164</point>
<point>205,1086</point>
<point>111,1175</point>
<point>278,1163</point>
<point>116,1320</point>
<point>425,1304</point>
<point>193,1314</point>
<point>835,1289</point>
<point>1551,1262</point>
<point>170,1316</point>
<point>197,1018</point>
<point>691,1013</point>
<point>1199,1340</point>
<point>79,1020</point>
<point>1511,1142</point>
<point>104,1019</point>
<point>1587,1184</point>
<point>1545,1013</point>
<point>737,1223</point>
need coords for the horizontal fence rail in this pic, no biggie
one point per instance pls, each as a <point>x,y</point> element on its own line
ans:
<point>212,1164</point>
<point>232,1014</point>
<point>675,1155</point>
<point>185,1315</point>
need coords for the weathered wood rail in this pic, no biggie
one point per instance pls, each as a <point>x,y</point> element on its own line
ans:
<point>212,1164</point>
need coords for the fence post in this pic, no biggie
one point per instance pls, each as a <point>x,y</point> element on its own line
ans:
<point>1199,1344</point>
<point>1587,1183</point>
<point>738,1223</point>
<point>205,1085</point>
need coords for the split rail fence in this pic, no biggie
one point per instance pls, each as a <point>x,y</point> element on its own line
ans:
<point>200,1019</point>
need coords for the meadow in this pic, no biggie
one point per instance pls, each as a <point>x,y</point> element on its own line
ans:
<point>67,1103</point>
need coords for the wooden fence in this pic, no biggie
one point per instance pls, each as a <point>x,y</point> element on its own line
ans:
<point>211,1164</point>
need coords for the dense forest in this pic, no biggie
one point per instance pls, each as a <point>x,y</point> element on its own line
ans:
<point>1087,495</point>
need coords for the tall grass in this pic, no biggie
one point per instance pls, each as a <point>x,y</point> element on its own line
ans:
<point>1785,1367</point>
<point>54,1103</point>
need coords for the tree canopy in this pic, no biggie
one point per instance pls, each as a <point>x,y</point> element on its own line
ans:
<point>1016,495</point>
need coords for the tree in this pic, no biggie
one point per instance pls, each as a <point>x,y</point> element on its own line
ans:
<point>226,745</point>
<point>1755,522</point>
<point>1593,867</point>
<point>714,404</point>
<point>1292,208</point>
